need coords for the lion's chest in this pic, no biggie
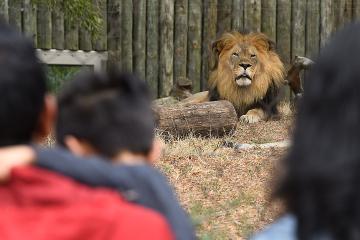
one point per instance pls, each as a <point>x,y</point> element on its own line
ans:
<point>243,98</point>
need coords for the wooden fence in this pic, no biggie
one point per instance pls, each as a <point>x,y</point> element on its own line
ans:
<point>165,40</point>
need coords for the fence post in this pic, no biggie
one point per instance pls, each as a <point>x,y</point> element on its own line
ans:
<point>298,28</point>
<point>224,16</point>
<point>268,18</point>
<point>283,30</point>
<point>71,33</point>
<point>29,26</point>
<point>126,35</point>
<point>194,44</point>
<point>327,21</point>
<point>342,13</point>
<point>85,40</point>
<point>283,35</point>
<point>167,46</point>
<point>209,36</point>
<point>15,7</point>
<point>139,37</point>
<point>99,42</point>
<point>58,33</point>
<point>356,10</point>
<point>43,26</point>
<point>237,16</point>
<point>152,46</point>
<point>4,9</point>
<point>312,28</point>
<point>114,33</point>
<point>180,39</point>
<point>252,15</point>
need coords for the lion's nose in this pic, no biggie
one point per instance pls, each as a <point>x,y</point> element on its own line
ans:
<point>245,65</point>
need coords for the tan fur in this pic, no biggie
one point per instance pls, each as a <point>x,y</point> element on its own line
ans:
<point>197,98</point>
<point>268,69</point>
<point>253,116</point>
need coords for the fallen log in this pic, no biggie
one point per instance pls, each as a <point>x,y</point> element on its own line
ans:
<point>208,119</point>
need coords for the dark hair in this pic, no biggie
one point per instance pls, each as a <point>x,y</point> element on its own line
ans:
<point>111,111</point>
<point>321,183</point>
<point>22,87</point>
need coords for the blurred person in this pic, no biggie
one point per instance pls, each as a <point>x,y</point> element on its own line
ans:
<point>110,116</point>
<point>322,170</point>
<point>36,203</point>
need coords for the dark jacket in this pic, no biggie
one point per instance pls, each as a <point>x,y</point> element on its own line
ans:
<point>141,184</point>
<point>41,205</point>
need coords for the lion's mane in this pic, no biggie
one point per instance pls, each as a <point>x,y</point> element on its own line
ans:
<point>270,72</point>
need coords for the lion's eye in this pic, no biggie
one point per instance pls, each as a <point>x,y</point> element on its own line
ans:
<point>235,54</point>
<point>252,55</point>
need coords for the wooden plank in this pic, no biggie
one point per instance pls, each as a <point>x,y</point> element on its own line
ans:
<point>58,32</point>
<point>268,18</point>
<point>167,46</point>
<point>180,39</point>
<point>348,11</point>
<point>224,16</point>
<point>126,35</point>
<point>342,13</point>
<point>327,21</point>
<point>298,28</point>
<point>194,44</point>
<point>283,35</point>
<point>99,41</point>
<point>4,10</point>
<point>356,10</point>
<point>252,15</point>
<point>209,36</point>
<point>71,33</point>
<point>237,16</point>
<point>29,18</point>
<point>283,30</point>
<point>43,26</point>
<point>140,37</point>
<point>85,40</point>
<point>152,46</point>
<point>15,7</point>
<point>114,33</point>
<point>312,28</point>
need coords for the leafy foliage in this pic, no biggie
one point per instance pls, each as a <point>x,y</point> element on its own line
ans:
<point>58,75</point>
<point>84,12</point>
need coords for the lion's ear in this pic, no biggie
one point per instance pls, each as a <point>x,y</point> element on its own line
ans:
<point>216,48</point>
<point>272,45</point>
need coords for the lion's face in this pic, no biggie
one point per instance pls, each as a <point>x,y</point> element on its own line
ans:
<point>245,66</point>
<point>243,63</point>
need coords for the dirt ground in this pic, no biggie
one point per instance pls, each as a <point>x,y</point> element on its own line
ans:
<point>226,191</point>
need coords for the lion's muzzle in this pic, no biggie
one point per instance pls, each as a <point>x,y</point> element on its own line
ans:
<point>244,78</point>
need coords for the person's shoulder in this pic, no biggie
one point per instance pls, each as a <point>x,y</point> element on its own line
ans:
<point>284,228</point>
<point>129,218</point>
<point>145,172</point>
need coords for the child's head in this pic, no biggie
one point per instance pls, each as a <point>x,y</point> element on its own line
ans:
<point>106,114</point>
<point>321,184</point>
<point>23,104</point>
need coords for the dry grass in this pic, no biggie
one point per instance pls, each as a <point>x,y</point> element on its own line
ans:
<point>226,191</point>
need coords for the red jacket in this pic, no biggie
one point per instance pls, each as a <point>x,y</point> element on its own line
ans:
<point>40,205</point>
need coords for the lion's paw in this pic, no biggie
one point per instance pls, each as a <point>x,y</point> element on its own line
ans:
<point>250,118</point>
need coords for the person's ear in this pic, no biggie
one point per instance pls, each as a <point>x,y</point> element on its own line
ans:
<point>78,147</point>
<point>156,151</point>
<point>47,118</point>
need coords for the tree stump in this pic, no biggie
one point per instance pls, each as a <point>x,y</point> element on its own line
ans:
<point>209,119</point>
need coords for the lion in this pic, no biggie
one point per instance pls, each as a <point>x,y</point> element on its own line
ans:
<point>248,73</point>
